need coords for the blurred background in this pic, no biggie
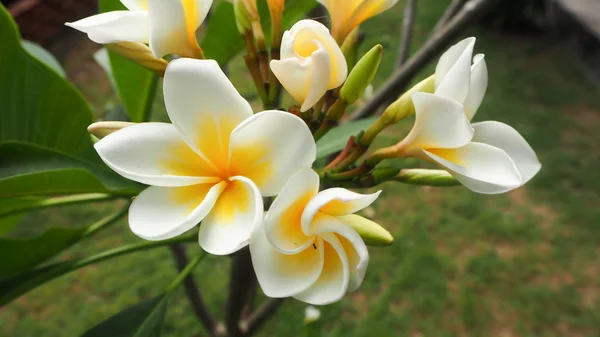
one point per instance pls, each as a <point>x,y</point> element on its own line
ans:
<point>524,263</point>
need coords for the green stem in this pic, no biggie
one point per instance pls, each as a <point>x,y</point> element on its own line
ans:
<point>60,201</point>
<point>185,272</point>
<point>34,278</point>
<point>105,222</point>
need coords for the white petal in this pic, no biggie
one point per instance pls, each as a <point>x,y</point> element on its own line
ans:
<point>453,78</point>
<point>204,106</point>
<point>335,201</point>
<point>173,25</point>
<point>234,219</point>
<point>160,213</point>
<point>269,148</point>
<point>283,224</point>
<point>113,27</point>
<point>282,275</point>
<point>353,244</point>
<point>305,31</point>
<point>136,5</point>
<point>508,139</point>
<point>479,82</point>
<point>480,167</point>
<point>306,80</point>
<point>154,154</point>
<point>333,282</point>
<point>439,123</point>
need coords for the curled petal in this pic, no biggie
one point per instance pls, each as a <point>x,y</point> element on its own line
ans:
<point>204,106</point>
<point>508,139</point>
<point>136,5</point>
<point>283,225</point>
<point>154,154</point>
<point>283,275</point>
<point>479,82</point>
<point>480,167</point>
<point>336,202</point>
<point>368,9</point>
<point>173,25</point>
<point>439,123</point>
<point>453,72</point>
<point>333,282</point>
<point>234,219</point>
<point>269,148</point>
<point>353,244</point>
<point>160,213</point>
<point>113,27</point>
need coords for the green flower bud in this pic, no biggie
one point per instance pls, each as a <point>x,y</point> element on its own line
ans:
<point>425,177</point>
<point>241,16</point>
<point>371,232</point>
<point>103,129</point>
<point>403,106</point>
<point>361,75</point>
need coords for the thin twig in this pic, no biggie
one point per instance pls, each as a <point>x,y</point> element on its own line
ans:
<point>239,287</point>
<point>450,11</point>
<point>261,315</point>
<point>407,30</point>
<point>397,83</point>
<point>191,289</point>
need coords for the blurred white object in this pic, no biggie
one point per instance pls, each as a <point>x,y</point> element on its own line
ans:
<point>311,314</point>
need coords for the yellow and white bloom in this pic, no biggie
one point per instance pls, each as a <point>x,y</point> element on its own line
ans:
<point>348,14</point>
<point>168,26</point>
<point>311,63</point>
<point>307,250</point>
<point>487,157</point>
<point>213,164</point>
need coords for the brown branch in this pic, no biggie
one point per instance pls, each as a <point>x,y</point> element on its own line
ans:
<point>407,31</point>
<point>191,289</point>
<point>450,11</point>
<point>441,40</point>
<point>239,289</point>
<point>261,315</point>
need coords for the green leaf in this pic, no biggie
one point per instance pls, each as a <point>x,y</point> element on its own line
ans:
<point>28,253</point>
<point>336,139</point>
<point>36,104</point>
<point>43,56</point>
<point>143,319</point>
<point>26,169</point>
<point>11,206</point>
<point>222,40</point>
<point>135,84</point>
<point>7,223</point>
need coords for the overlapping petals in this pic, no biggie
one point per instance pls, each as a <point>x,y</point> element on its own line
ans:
<point>488,157</point>
<point>168,26</point>
<point>348,14</point>
<point>212,164</point>
<point>306,250</point>
<point>311,63</point>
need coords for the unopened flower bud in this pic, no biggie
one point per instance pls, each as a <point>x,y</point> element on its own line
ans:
<point>371,232</point>
<point>140,54</point>
<point>103,129</point>
<point>252,9</point>
<point>403,106</point>
<point>276,5</point>
<point>361,75</point>
<point>241,16</point>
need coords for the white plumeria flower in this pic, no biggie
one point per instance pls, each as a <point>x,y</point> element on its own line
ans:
<point>488,157</point>
<point>212,164</point>
<point>168,26</point>
<point>348,14</point>
<point>306,249</point>
<point>311,63</point>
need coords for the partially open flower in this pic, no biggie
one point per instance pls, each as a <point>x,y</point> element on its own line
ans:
<point>311,63</point>
<point>307,250</point>
<point>168,26</point>
<point>348,14</point>
<point>213,164</point>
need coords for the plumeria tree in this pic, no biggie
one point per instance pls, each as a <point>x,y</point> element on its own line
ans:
<point>271,189</point>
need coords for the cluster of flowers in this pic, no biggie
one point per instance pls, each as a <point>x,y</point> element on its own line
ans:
<point>217,160</point>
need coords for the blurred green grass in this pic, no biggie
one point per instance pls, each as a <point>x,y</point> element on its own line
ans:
<point>520,264</point>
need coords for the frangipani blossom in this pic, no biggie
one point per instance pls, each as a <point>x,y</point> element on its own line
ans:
<point>311,63</point>
<point>213,164</point>
<point>168,26</point>
<point>348,14</point>
<point>307,250</point>
<point>486,157</point>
